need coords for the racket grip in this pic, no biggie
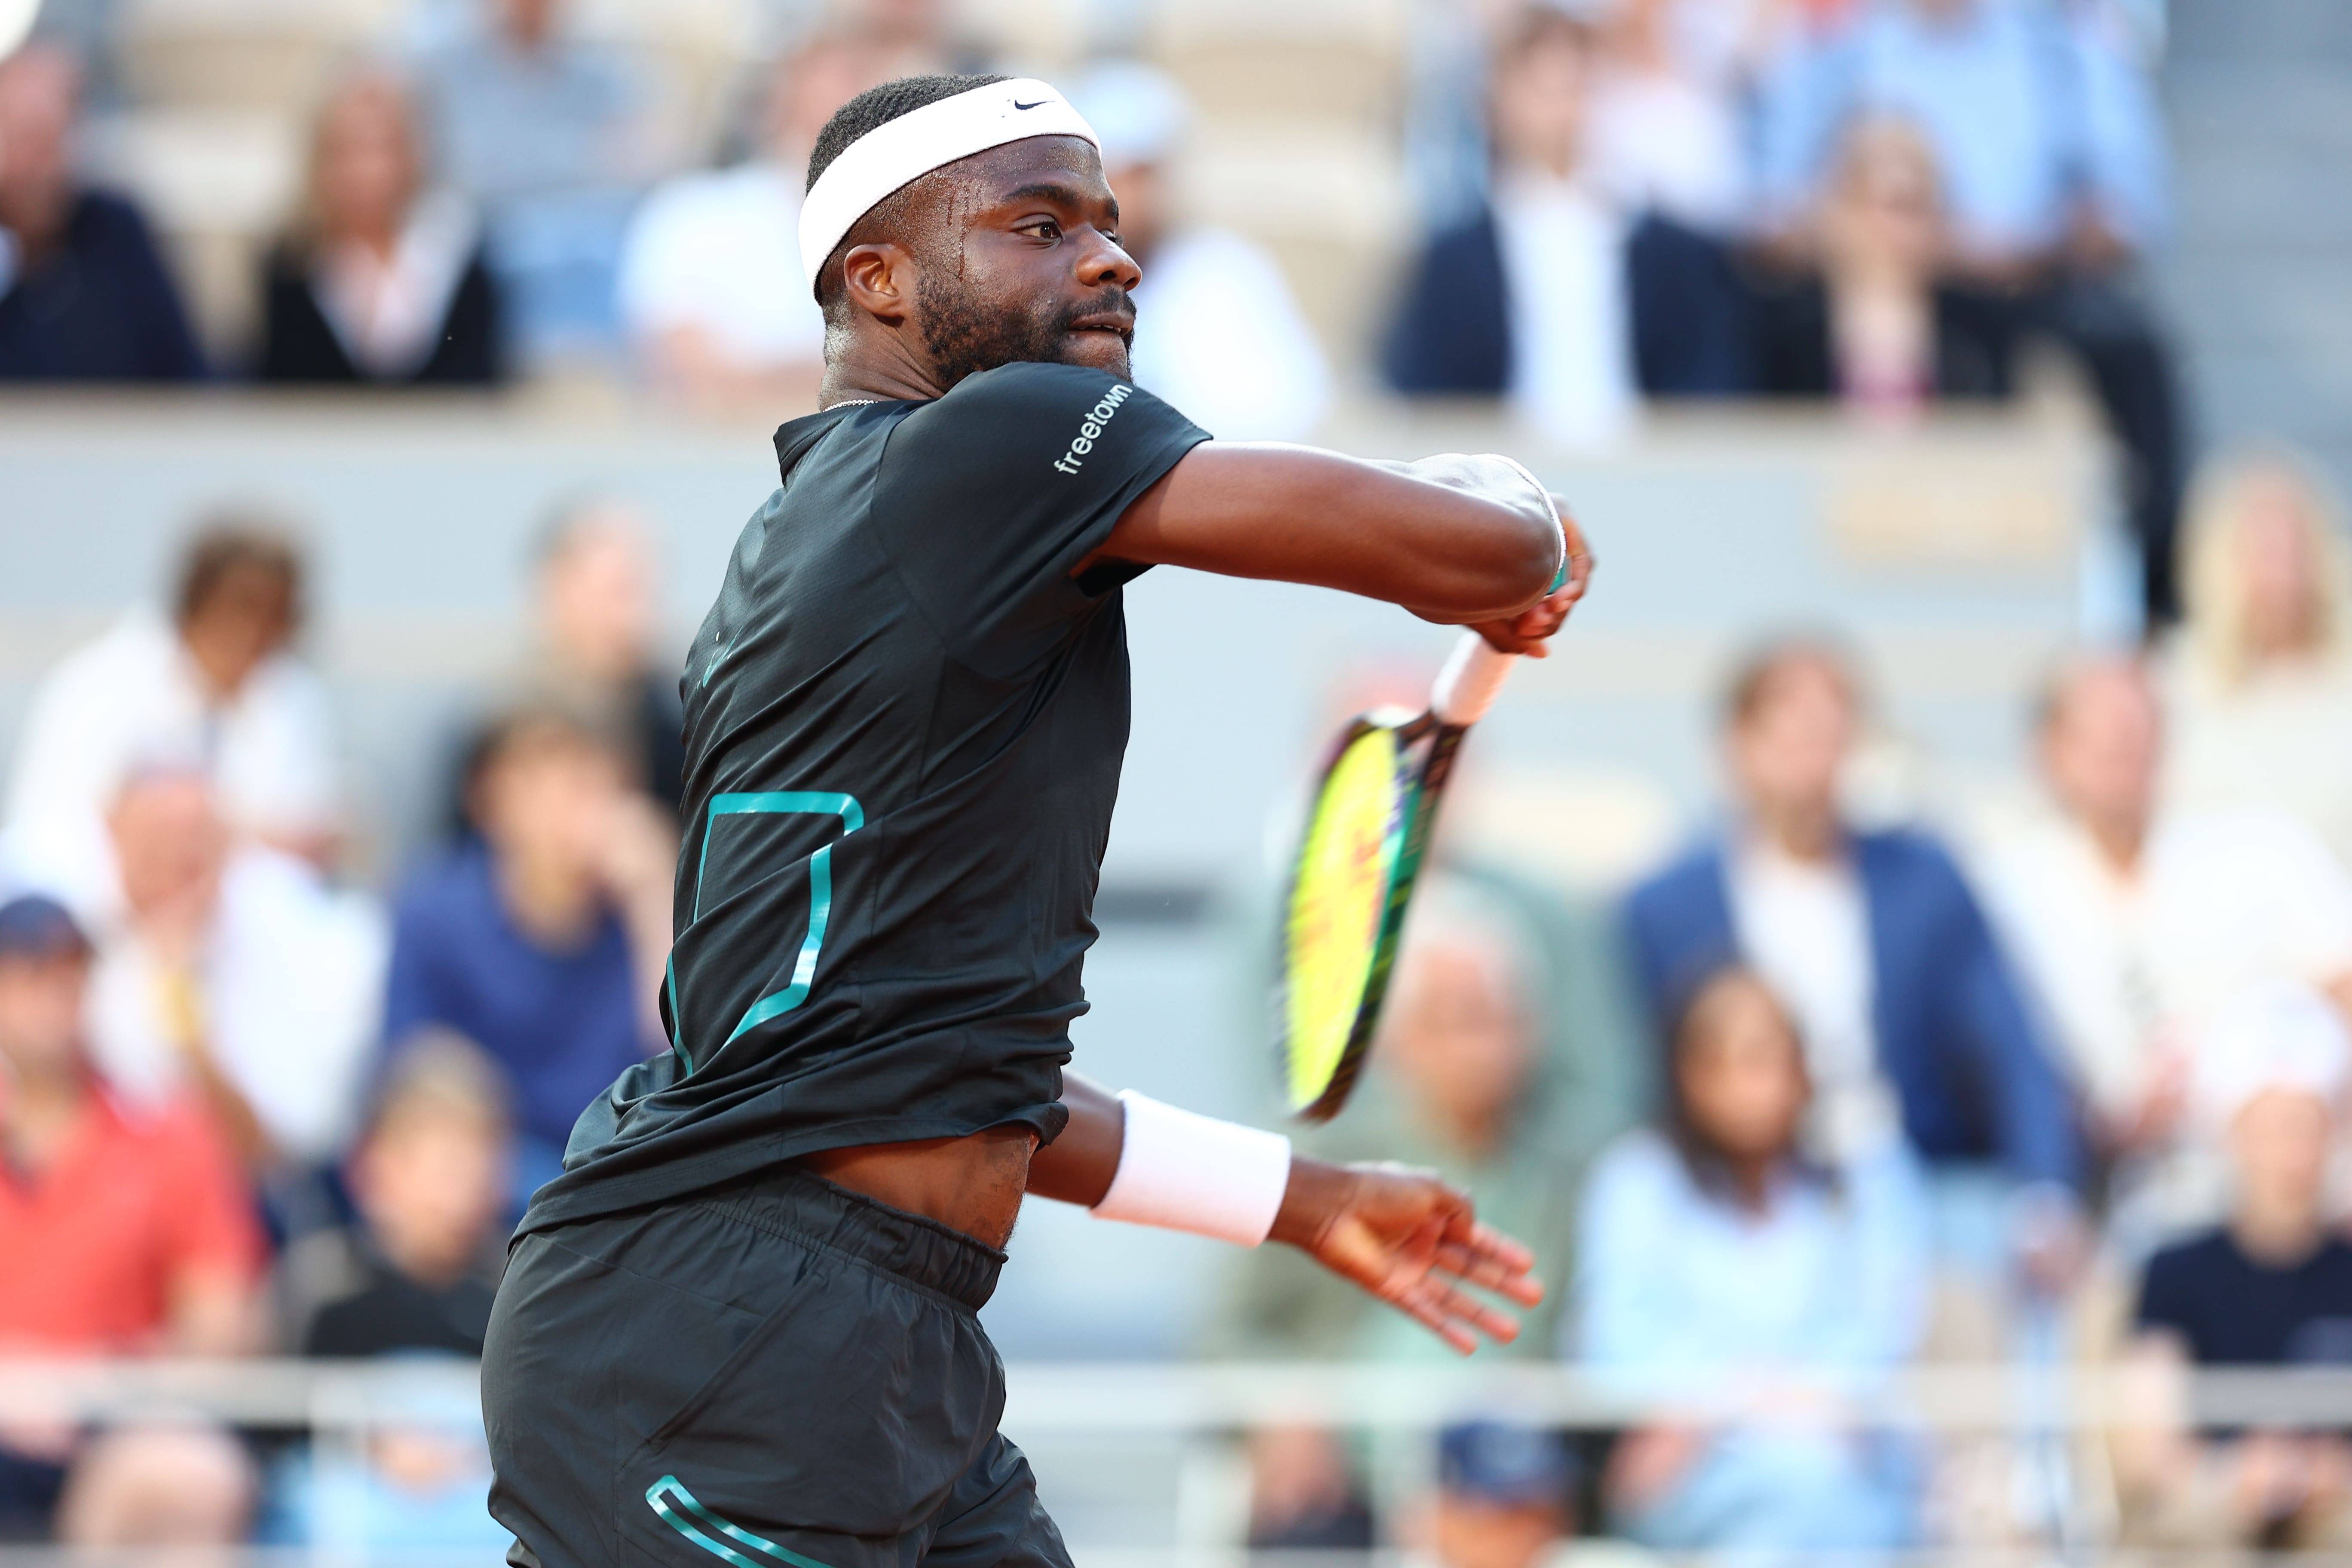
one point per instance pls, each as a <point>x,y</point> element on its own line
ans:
<point>1465,687</point>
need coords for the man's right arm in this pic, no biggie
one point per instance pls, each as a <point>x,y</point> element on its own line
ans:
<point>1440,539</point>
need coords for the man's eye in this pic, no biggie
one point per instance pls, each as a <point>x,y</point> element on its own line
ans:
<point>1046,228</point>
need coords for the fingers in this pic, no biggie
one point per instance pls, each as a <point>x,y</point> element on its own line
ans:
<point>1502,1266</point>
<point>1454,1316</point>
<point>1579,552</point>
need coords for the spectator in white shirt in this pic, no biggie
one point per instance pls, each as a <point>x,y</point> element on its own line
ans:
<point>710,288</point>
<point>215,684</point>
<point>1913,1021</point>
<point>1530,297</point>
<point>236,972</point>
<point>1218,332</point>
<point>2140,927</point>
<point>2260,679</point>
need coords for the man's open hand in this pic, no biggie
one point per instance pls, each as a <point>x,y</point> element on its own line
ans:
<point>1411,1240</point>
<point>1528,631</point>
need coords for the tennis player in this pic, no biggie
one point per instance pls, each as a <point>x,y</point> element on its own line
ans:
<point>741,1324</point>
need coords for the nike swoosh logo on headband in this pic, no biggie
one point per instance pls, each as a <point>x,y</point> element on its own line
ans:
<point>1040,104</point>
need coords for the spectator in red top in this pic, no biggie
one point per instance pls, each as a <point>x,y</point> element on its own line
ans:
<point>125,1232</point>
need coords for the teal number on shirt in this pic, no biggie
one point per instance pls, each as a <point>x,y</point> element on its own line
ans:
<point>813,802</point>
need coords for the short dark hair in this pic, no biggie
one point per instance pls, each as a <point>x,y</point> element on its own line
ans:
<point>1692,1014</point>
<point>1538,25</point>
<point>1753,678</point>
<point>229,543</point>
<point>525,725</point>
<point>874,108</point>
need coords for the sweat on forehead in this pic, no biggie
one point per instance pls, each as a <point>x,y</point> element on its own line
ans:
<point>855,170</point>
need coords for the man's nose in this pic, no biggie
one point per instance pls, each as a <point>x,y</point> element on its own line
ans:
<point>1105,262</point>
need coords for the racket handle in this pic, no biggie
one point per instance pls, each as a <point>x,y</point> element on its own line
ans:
<point>1465,687</point>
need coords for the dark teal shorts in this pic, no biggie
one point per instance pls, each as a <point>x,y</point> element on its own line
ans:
<point>776,1373</point>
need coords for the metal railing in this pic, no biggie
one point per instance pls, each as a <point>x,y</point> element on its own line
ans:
<point>1186,1418</point>
<point>1176,1397</point>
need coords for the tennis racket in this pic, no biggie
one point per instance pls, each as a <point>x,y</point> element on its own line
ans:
<point>1355,872</point>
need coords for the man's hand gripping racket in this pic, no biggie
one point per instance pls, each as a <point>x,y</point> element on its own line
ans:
<point>1367,830</point>
<point>1403,1234</point>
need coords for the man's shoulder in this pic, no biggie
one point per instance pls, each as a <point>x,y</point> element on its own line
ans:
<point>102,218</point>
<point>1909,851</point>
<point>1693,871</point>
<point>160,1144</point>
<point>2195,1259</point>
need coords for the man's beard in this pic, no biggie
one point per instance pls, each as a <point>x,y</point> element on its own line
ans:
<point>965,337</point>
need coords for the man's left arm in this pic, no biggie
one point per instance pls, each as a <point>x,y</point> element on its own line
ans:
<point>1402,1235</point>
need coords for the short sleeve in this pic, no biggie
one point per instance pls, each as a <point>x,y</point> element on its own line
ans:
<point>988,499</point>
<point>209,1225</point>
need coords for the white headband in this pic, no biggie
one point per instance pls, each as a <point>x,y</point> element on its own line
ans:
<point>912,145</point>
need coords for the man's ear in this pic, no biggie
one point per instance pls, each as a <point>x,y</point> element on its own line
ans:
<point>879,279</point>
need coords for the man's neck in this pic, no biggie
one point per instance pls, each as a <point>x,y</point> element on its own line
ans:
<point>1812,836</point>
<point>2278,1239</point>
<point>37,1113</point>
<point>2119,840</point>
<point>876,372</point>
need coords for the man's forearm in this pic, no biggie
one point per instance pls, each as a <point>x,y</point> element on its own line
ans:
<point>1080,1166</point>
<point>1460,539</point>
<point>1077,1167</point>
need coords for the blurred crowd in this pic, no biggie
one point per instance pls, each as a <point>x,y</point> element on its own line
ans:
<point>1825,1097</point>
<point>1820,1098</point>
<point>1882,202</point>
<point>247,1106</point>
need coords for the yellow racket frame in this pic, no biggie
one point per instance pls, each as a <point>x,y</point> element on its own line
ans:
<point>1350,887</point>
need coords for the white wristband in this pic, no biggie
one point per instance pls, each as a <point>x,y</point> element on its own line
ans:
<point>1180,1171</point>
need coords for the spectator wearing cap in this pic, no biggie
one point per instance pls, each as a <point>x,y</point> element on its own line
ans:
<point>1505,1497</point>
<point>2048,148</point>
<point>84,296</point>
<point>234,972</point>
<point>2272,1286</point>
<point>384,280</point>
<point>549,136</point>
<point>1719,1260</point>
<point>708,289</point>
<point>541,938</point>
<point>1218,332</point>
<point>413,1278</point>
<point>126,1231</point>
<point>1913,1024</point>
<point>213,684</point>
<point>2137,924</point>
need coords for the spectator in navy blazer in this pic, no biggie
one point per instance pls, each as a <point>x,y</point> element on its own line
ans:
<point>1914,1026</point>
<point>1557,290</point>
<point>541,937</point>
<point>83,294</point>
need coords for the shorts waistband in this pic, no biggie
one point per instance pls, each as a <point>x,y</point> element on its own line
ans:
<point>916,1248</point>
